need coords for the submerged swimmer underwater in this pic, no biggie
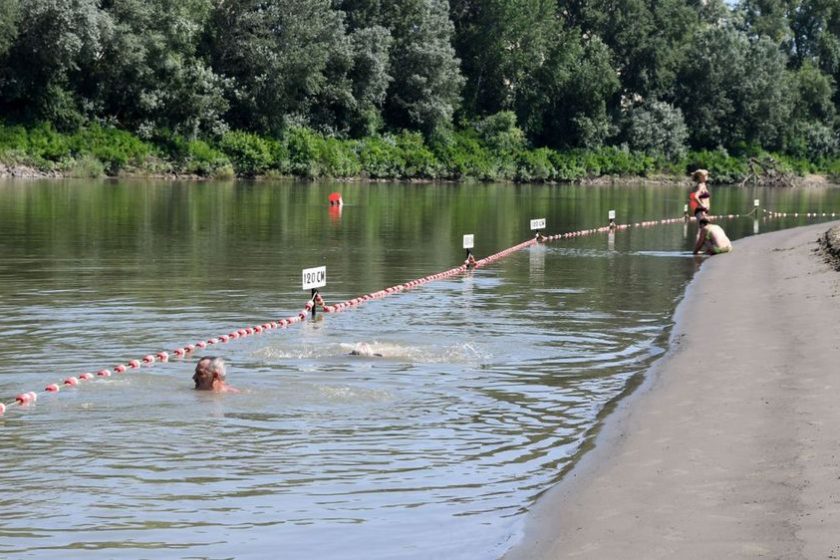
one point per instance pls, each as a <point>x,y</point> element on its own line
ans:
<point>488,385</point>
<point>364,349</point>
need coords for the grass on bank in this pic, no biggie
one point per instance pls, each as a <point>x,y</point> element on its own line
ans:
<point>96,150</point>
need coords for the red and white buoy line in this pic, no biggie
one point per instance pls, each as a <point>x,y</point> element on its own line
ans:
<point>149,360</point>
<point>773,214</point>
<point>25,399</point>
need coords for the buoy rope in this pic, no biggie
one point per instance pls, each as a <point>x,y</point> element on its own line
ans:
<point>774,214</point>
<point>149,360</point>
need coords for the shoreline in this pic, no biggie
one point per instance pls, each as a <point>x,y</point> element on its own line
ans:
<point>28,173</point>
<point>728,447</point>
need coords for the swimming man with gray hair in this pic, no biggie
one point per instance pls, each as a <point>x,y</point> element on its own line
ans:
<point>210,375</point>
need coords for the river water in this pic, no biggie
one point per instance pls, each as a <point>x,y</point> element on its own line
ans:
<point>487,387</point>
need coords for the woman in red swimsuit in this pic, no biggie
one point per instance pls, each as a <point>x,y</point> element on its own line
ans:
<point>699,199</point>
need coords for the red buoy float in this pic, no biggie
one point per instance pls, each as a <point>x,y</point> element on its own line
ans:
<point>335,199</point>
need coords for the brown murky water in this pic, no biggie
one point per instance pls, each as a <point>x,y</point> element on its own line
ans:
<point>487,385</point>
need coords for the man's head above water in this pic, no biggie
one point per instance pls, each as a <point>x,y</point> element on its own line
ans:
<point>209,374</point>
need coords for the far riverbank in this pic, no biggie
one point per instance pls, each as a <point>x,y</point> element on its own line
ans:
<point>25,172</point>
<point>456,156</point>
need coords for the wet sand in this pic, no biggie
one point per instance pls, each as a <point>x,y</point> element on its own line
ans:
<point>731,447</point>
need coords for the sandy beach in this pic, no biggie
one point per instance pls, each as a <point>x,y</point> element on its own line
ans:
<point>731,447</point>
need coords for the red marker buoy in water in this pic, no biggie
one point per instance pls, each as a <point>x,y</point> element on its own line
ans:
<point>335,199</point>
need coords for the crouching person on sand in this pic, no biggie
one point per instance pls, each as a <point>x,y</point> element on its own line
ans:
<point>711,239</point>
<point>210,376</point>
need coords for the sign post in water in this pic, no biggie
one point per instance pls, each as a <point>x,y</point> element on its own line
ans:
<point>611,217</point>
<point>469,243</point>
<point>538,224</point>
<point>312,279</point>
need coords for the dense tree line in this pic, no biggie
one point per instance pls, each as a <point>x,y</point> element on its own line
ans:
<point>656,77</point>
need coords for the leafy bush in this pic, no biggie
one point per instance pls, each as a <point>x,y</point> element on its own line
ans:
<point>45,143</point>
<point>250,154</point>
<point>832,169</point>
<point>813,141</point>
<point>657,129</point>
<point>43,146</point>
<point>13,138</point>
<point>535,165</point>
<point>420,162</point>
<point>463,156</point>
<point>116,149</point>
<point>306,153</point>
<point>617,161</point>
<point>87,167</point>
<point>500,133</point>
<point>202,159</point>
<point>722,167</point>
<point>381,157</point>
<point>568,166</point>
<point>301,152</point>
<point>338,158</point>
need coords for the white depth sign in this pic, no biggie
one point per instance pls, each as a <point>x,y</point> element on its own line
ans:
<point>314,277</point>
<point>538,224</point>
<point>611,215</point>
<point>469,241</point>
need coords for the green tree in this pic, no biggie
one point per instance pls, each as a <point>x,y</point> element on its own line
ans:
<point>734,91</point>
<point>816,32</point>
<point>370,77</point>
<point>501,43</point>
<point>520,55</point>
<point>9,14</point>
<point>815,25</point>
<point>564,101</point>
<point>810,133</point>
<point>814,91</point>
<point>427,82</point>
<point>647,39</point>
<point>768,18</point>
<point>54,39</point>
<point>658,129</point>
<point>286,58</point>
<point>151,76</point>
